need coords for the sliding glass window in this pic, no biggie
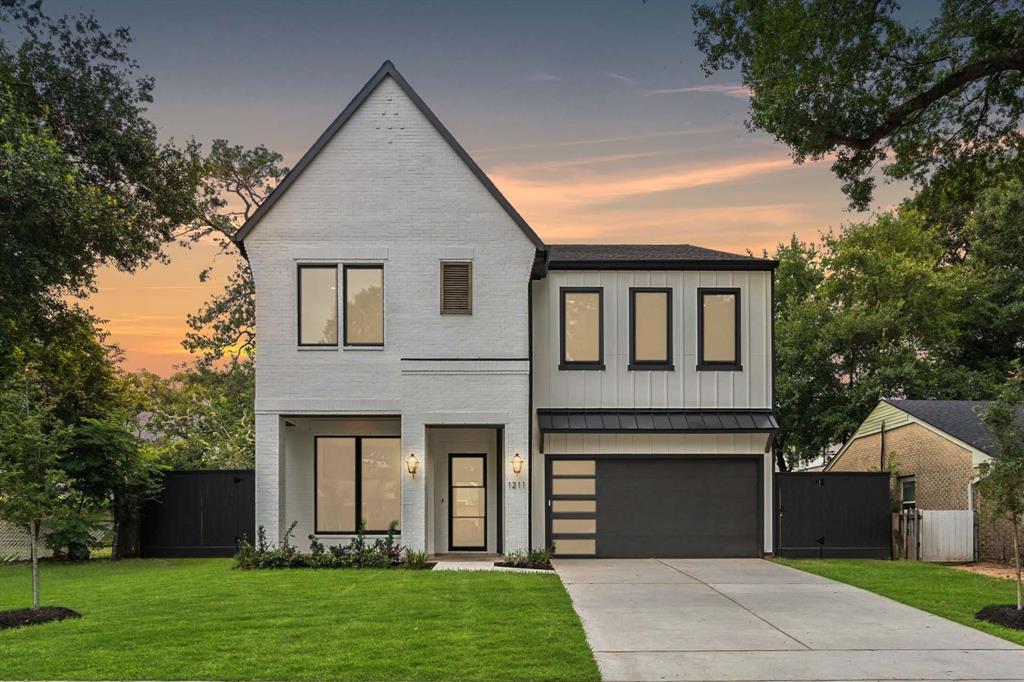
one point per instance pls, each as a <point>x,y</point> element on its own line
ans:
<point>318,305</point>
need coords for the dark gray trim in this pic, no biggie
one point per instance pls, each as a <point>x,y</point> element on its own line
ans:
<point>754,264</point>
<point>464,359</point>
<point>529,419</point>
<point>680,421</point>
<point>563,364</point>
<point>358,485</point>
<point>298,289</point>
<point>386,69</point>
<point>344,304</point>
<point>705,366</point>
<point>644,365</point>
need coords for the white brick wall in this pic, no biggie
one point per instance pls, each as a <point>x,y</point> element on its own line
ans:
<point>388,189</point>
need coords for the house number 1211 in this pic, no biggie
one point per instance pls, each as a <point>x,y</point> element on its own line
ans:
<point>516,485</point>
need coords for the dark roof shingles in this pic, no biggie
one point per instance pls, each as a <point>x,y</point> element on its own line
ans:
<point>958,418</point>
<point>645,253</point>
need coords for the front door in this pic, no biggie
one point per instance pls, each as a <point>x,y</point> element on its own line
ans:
<point>467,502</point>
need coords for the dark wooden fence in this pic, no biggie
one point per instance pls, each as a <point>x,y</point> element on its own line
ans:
<point>200,514</point>
<point>832,515</point>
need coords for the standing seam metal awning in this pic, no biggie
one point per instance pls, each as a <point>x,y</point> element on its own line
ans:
<point>654,421</point>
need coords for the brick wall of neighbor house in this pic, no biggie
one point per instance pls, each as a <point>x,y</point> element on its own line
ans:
<point>942,468</point>
<point>995,536</point>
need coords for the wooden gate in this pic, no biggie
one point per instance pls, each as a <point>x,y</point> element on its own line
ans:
<point>832,515</point>
<point>200,514</point>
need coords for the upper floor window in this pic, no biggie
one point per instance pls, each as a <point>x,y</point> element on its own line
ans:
<point>650,328</point>
<point>582,328</point>
<point>456,288</point>
<point>364,305</point>
<point>718,329</point>
<point>318,305</point>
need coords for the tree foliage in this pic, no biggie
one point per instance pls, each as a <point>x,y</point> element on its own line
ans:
<point>849,81</point>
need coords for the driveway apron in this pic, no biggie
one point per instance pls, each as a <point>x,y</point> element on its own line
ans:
<point>750,619</point>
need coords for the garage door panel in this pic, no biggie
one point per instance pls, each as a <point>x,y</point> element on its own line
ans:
<point>678,507</point>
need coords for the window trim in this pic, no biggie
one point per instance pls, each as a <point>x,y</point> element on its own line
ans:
<point>564,364</point>
<point>469,264</point>
<point>703,365</point>
<point>344,304</point>
<point>635,365</point>
<point>359,486</point>
<point>299,267</point>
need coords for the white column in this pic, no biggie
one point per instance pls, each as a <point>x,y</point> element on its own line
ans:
<point>516,488</point>
<point>270,457</point>
<point>414,489</point>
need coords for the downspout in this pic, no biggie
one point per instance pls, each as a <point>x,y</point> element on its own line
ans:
<point>970,506</point>
<point>881,447</point>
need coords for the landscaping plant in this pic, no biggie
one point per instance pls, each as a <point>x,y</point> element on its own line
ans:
<point>534,558</point>
<point>1002,477</point>
<point>359,552</point>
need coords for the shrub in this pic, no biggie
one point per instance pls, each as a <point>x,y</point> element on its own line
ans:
<point>414,559</point>
<point>534,558</point>
<point>383,552</point>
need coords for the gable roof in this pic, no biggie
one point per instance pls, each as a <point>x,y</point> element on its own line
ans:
<point>957,418</point>
<point>386,70</point>
<point>649,256</point>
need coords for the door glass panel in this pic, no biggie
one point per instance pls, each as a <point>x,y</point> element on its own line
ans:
<point>468,471</point>
<point>382,482</point>
<point>467,532</point>
<point>574,525</point>
<point>335,485</point>
<point>468,502</point>
<point>572,486</point>
<point>574,506</point>
<point>569,546</point>
<point>572,467</point>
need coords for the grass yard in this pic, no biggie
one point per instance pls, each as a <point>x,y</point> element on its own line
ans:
<point>199,619</point>
<point>944,591</point>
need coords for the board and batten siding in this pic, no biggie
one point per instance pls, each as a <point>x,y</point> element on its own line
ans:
<point>685,387</point>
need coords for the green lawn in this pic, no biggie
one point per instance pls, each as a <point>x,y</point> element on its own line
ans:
<point>199,619</point>
<point>944,591</point>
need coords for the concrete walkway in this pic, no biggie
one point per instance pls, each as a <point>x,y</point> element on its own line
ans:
<point>749,619</point>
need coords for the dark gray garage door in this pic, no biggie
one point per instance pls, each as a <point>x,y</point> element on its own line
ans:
<point>633,506</point>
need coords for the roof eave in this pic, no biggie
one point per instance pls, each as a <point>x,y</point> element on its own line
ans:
<point>754,264</point>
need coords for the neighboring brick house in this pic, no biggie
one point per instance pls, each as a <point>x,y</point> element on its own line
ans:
<point>934,449</point>
<point>425,358</point>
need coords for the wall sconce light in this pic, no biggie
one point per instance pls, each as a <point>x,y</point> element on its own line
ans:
<point>517,464</point>
<point>412,464</point>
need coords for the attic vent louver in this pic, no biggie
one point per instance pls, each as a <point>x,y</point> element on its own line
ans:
<point>456,288</point>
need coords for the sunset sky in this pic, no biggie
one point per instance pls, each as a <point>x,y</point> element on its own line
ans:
<point>593,118</point>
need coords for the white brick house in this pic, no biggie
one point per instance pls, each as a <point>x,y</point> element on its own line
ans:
<point>426,358</point>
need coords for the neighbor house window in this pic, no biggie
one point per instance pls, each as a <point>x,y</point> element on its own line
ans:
<point>456,288</point>
<point>908,493</point>
<point>318,305</point>
<point>582,333</point>
<point>718,329</point>
<point>364,305</point>
<point>650,328</point>
<point>357,473</point>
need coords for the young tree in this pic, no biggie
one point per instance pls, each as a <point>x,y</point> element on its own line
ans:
<point>1002,478</point>
<point>34,490</point>
<point>849,81</point>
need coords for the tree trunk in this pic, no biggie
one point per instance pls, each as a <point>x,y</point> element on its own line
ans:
<point>34,533</point>
<point>127,519</point>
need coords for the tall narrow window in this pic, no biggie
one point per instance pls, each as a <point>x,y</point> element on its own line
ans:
<point>650,328</point>
<point>364,305</point>
<point>582,333</point>
<point>456,288</point>
<point>718,329</point>
<point>318,305</point>
<point>357,479</point>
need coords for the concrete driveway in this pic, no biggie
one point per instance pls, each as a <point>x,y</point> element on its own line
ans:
<point>749,619</point>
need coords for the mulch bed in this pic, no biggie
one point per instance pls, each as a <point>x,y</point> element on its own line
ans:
<point>429,566</point>
<point>1007,616</point>
<point>19,617</point>
<point>535,567</point>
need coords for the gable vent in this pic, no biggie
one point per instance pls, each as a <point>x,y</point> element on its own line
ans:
<point>456,288</point>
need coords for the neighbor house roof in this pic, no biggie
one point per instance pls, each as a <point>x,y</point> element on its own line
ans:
<point>649,257</point>
<point>386,70</point>
<point>958,418</point>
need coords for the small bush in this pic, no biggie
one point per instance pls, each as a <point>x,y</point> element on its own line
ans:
<point>359,552</point>
<point>534,558</point>
<point>415,559</point>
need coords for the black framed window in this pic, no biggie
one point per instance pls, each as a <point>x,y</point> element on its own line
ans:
<point>318,305</point>
<point>364,305</point>
<point>581,322</point>
<point>356,477</point>
<point>718,329</point>
<point>650,328</point>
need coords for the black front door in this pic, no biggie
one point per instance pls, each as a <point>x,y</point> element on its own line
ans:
<point>467,502</point>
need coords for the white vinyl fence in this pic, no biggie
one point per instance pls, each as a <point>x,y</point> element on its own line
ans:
<point>934,535</point>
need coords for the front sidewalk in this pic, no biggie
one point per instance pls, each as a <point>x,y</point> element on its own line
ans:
<point>749,619</point>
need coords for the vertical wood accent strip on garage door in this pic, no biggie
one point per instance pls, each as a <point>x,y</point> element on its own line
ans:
<point>572,506</point>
